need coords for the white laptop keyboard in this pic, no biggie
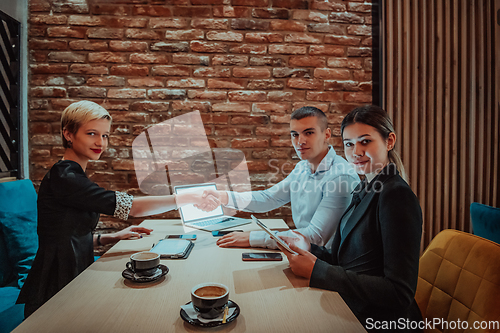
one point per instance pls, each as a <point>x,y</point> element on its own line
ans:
<point>211,221</point>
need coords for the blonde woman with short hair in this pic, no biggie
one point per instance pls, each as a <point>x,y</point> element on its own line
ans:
<point>69,206</point>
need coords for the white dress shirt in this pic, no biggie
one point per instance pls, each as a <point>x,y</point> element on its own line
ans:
<point>318,199</point>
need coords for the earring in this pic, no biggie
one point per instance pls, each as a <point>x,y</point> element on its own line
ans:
<point>70,144</point>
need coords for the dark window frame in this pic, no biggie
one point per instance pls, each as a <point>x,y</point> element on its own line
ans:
<point>10,111</point>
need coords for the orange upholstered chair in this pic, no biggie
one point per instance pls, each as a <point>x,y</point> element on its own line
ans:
<point>459,279</point>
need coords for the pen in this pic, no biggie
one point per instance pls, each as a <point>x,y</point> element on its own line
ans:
<point>226,309</point>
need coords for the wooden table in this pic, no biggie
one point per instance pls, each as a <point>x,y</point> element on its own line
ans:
<point>271,297</point>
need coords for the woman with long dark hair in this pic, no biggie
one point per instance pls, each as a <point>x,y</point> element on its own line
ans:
<point>373,261</point>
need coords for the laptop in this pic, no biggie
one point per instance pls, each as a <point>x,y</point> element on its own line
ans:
<point>209,221</point>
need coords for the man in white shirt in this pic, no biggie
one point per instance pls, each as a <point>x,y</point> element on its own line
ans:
<point>319,187</point>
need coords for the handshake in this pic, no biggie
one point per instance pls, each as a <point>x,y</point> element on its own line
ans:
<point>206,201</point>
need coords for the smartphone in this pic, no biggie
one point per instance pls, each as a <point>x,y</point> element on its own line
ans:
<point>261,256</point>
<point>191,237</point>
<point>218,233</point>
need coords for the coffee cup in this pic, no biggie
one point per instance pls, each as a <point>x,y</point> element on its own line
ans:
<point>209,299</point>
<point>144,263</point>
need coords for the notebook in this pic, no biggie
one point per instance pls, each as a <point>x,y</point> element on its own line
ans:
<point>195,218</point>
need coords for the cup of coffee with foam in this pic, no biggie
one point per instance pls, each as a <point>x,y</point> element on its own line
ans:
<point>209,299</point>
<point>144,263</point>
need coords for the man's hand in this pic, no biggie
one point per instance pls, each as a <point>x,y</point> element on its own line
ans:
<point>203,201</point>
<point>207,202</point>
<point>235,239</point>
<point>221,195</point>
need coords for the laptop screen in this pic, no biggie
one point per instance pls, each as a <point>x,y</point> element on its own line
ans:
<point>190,213</point>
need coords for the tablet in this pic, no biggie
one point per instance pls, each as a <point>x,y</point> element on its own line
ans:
<point>173,248</point>
<point>273,236</point>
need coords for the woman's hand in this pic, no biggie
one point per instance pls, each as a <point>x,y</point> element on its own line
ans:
<point>302,263</point>
<point>204,201</point>
<point>299,241</point>
<point>235,239</point>
<point>220,195</point>
<point>131,232</point>
<point>207,202</point>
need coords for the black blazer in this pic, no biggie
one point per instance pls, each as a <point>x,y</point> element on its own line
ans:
<point>69,206</point>
<point>373,262</point>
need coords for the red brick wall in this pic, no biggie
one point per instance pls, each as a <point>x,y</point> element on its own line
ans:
<point>244,64</point>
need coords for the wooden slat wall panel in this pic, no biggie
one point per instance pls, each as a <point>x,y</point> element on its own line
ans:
<point>496,105</point>
<point>441,86</point>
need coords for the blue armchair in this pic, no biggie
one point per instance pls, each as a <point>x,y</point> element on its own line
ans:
<point>18,246</point>
<point>485,221</point>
